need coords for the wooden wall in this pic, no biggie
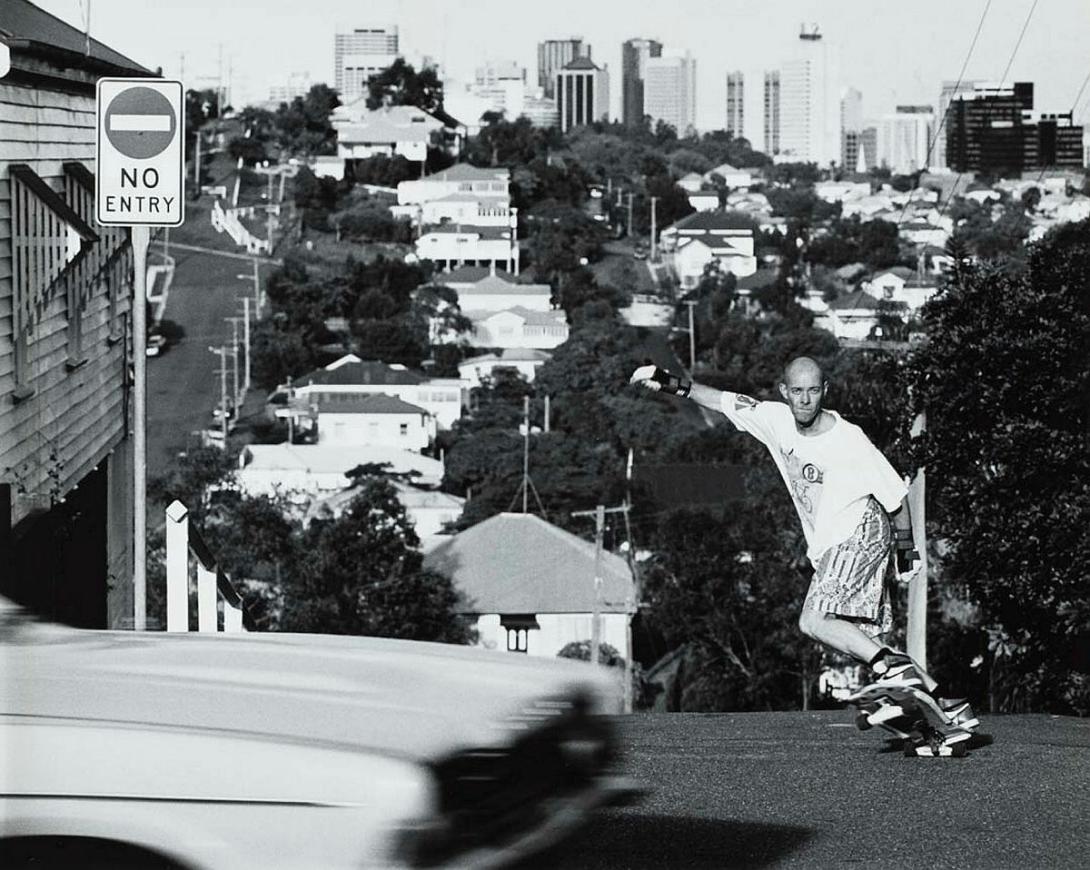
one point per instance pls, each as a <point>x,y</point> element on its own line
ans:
<point>74,412</point>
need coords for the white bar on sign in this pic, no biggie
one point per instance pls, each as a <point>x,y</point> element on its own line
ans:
<point>140,123</point>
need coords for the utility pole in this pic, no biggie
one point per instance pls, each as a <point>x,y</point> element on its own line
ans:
<point>599,514</point>
<point>630,195</point>
<point>525,450</point>
<point>654,238</point>
<point>197,167</point>
<point>692,303</point>
<point>246,341</point>
<point>234,362</point>
<point>222,352</point>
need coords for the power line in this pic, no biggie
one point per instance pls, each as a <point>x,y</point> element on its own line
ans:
<point>957,87</point>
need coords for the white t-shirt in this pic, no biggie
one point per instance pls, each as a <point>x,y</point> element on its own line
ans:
<point>830,476</point>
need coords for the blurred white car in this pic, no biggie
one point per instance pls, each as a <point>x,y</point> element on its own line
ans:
<point>290,751</point>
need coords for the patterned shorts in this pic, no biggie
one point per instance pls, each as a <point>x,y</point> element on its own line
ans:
<point>852,579</point>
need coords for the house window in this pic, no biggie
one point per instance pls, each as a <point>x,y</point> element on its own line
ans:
<point>49,242</point>
<point>403,429</point>
<point>518,627</point>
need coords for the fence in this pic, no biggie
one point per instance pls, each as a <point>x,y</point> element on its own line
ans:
<point>213,584</point>
<point>227,221</point>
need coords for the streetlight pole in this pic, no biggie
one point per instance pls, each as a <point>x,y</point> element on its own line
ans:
<point>246,341</point>
<point>234,362</point>
<point>654,242</point>
<point>692,336</point>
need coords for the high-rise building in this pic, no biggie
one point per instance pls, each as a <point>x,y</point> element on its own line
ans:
<point>810,102</point>
<point>949,91</point>
<point>360,54</point>
<point>868,144</point>
<point>904,138</point>
<point>555,54</point>
<point>851,129</point>
<point>669,93</point>
<point>992,131</point>
<point>582,94</point>
<point>736,112</point>
<point>634,56</point>
<point>772,112</point>
<point>297,85</point>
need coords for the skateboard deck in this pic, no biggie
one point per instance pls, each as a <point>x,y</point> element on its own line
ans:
<point>914,717</point>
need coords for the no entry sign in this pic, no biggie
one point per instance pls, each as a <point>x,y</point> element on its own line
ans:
<point>140,178</point>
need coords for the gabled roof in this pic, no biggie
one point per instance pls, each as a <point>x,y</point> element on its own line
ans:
<point>581,63</point>
<point>381,130</point>
<point>519,563</point>
<point>367,403</point>
<point>410,497</point>
<point>859,300</point>
<point>24,27</point>
<point>470,275</point>
<point>723,169</point>
<point>902,272</point>
<point>692,176</point>
<point>362,373</point>
<point>531,318</point>
<point>494,284</point>
<point>323,459</point>
<point>710,221</point>
<point>509,354</point>
<point>468,172</point>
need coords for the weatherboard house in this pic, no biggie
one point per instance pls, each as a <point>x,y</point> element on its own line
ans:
<point>66,453</point>
<point>530,585</point>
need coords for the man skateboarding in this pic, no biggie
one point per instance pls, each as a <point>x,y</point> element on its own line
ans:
<point>852,505</point>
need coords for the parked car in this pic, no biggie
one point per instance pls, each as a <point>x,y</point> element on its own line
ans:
<point>156,345</point>
<point>273,751</point>
<point>640,252</point>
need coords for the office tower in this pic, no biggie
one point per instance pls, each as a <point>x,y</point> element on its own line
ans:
<point>991,131</point>
<point>297,85</point>
<point>772,112</point>
<point>868,143</point>
<point>555,54</point>
<point>582,94</point>
<point>360,54</point>
<point>851,128</point>
<point>736,112</point>
<point>669,93</point>
<point>949,91</point>
<point>634,56</point>
<point>810,102</point>
<point>904,137</point>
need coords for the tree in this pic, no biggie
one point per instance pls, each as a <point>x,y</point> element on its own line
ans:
<point>1004,380</point>
<point>401,85</point>
<point>303,125</point>
<point>364,576</point>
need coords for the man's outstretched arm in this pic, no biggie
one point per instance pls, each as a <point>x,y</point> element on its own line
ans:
<point>654,378</point>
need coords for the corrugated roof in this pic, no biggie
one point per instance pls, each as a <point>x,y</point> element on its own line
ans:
<point>860,300</point>
<point>381,130</point>
<point>22,24</point>
<point>468,172</point>
<point>712,220</point>
<point>519,563</point>
<point>370,403</point>
<point>494,284</point>
<point>533,318</point>
<point>364,372</point>
<point>510,354</point>
<point>322,459</point>
<point>470,275</point>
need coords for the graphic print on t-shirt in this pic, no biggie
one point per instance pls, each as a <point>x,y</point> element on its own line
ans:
<point>805,479</point>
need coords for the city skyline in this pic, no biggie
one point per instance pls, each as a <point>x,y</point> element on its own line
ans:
<point>742,36</point>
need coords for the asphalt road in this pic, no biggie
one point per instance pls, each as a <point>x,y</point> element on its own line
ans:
<point>183,384</point>
<point>809,790</point>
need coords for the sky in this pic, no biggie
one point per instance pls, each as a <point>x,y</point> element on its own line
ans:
<point>893,52</point>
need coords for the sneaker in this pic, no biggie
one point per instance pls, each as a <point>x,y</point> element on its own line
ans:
<point>896,670</point>
<point>960,712</point>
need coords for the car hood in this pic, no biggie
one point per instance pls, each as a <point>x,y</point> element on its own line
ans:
<point>404,698</point>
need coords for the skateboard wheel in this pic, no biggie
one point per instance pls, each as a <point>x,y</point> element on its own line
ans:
<point>862,721</point>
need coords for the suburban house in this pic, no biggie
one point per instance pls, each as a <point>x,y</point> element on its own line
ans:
<point>888,284</point>
<point>526,361</point>
<point>920,232</point>
<point>854,315</point>
<point>700,238</point>
<point>442,398</point>
<point>373,420</point>
<point>461,178</point>
<point>386,132</point>
<point>518,327</point>
<point>431,512</point>
<point>66,452</point>
<point>464,277</point>
<point>704,200</point>
<point>449,245</point>
<point>691,183</point>
<point>466,208</point>
<point>734,178</point>
<point>496,293</point>
<point>531,586</point>
<point>841,191</point>
<point>301,472</point>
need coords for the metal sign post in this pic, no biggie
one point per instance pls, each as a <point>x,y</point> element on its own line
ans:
<point>139,183</point>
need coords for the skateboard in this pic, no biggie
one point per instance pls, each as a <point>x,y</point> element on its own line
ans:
<point>915,718</point>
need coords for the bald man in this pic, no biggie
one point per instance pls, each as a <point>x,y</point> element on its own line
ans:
<point>851,502</point>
